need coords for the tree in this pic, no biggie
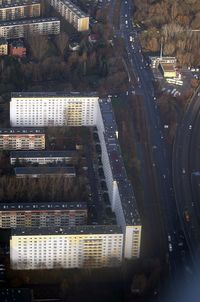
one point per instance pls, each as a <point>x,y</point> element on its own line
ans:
<point>38,46</point>
<point>61,42</point>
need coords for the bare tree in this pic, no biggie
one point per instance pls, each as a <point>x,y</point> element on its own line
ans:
<point>38,46</point>
<point>61,42</point>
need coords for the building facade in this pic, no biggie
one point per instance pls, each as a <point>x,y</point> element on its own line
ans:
<point>69,247</point>
<point>37,215</point>
<point>21,28</point>
<point>17,49</point>
<point>3,47</point>
<point>22,138</point>
<point>19,10</point>
<point>38,172</point>
<point>43,157</point>
<point>52,109</point>
<point>72,14</point>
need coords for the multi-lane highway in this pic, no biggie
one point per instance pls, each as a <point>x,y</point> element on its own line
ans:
<point>162,165</point>
<point>186,162</point>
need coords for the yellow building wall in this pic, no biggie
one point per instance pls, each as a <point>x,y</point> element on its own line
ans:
<point>3,49</point>
<point>83,24</point>
<point>170,74</point>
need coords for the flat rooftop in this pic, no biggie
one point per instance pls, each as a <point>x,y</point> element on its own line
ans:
<point>128,200</point>
<point>45,170</point>
<point>73,230</point>
<point>74,8</point>
<point>52,94</point>
<point>47,206</point>
<point>167,66</point>
<point>22,130</point>
<point>43,154</point>
<point>18,4</point>
<point>15,295</point>
<point>28,21</point>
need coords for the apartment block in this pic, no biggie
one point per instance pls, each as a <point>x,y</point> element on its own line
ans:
<point>19,10</point>
<point>88,110</point>
<point>21,28</point>
<point>37,215</point>
<point>22,138</point>
<point>70,12</point>
<point>52,109</point>
<point>3,47</point>
<point>38,172</point>
<point>69,247</point>
<point>43,157</point>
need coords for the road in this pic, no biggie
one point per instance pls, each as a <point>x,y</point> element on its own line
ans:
<point>156,165</point>
<point>185,162</point>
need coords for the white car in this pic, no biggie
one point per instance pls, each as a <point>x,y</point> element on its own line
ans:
<point>170,247</point>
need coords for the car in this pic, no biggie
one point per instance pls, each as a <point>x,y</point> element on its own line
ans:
<point>190,127</point>
<point>166,126</point>
<point>183,171</point>
<point>169,238</point>
<point>170,247</point>
<point>164,176</point>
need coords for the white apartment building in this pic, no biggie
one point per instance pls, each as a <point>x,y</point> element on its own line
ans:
<point>45,214</point>
<point>19,10</point>
<point>69,247</point>
<point>43,157</point>
<point>72,14</point>
<point>52,109</point>
<point>42,109</point>
<point>20,28</point>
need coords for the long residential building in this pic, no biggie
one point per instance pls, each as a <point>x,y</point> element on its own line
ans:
<point>87,110</point>
<point>52,109</point>
<point>19,10</point>
<point>22,138</point>
<point>43,157</point>
<point>37,172</point>
<point>72,14</point>
<point>69,247</point>
<point>21,28</point>
<point>35,215</point>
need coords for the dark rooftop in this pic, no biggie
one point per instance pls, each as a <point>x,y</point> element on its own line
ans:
<point>18,4</point>
<point>42,154</point>
<point>28,21</point>
<point>15,295</point>
<point>74,8</point>
<point>79,229</point>
<point>3,41</point>
<point>45,170</point>
<point>37,206</point>
<point>53,94</point>
<point>22,130</point>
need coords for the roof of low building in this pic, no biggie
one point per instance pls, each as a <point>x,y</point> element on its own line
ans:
<point>37,206</point>
<point>15,295</point>
<point>22,130</point>
<point>43,154</point>
<point>44,170</point>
